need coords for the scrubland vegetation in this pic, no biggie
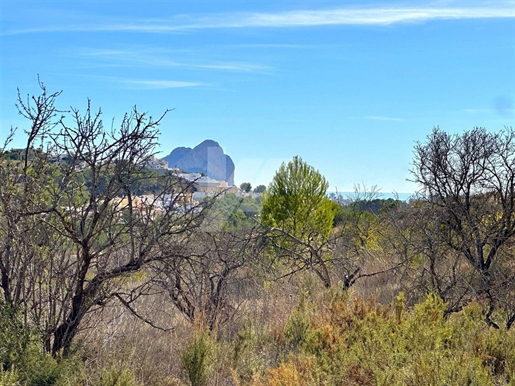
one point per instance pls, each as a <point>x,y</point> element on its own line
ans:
<point>113,275</point>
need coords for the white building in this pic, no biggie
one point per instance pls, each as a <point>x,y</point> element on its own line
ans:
<point>157,164</point>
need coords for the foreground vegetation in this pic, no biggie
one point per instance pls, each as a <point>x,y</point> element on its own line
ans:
<point>319,338</point>
<point>113,275</point>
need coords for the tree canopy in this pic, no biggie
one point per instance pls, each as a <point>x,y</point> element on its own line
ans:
<point>245,187</point>
<point>259,189</point>
<point>296,201</point>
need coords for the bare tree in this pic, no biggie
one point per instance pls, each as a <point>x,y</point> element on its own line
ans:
<point>429,264</point>
<point>73,222</point>
<point>468,180</point>
<point>300,254</point>
<point>203,284</point>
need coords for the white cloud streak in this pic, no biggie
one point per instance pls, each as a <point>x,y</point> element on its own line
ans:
<point>158,58</point>
<point>477,111</point>
<point>291,19</point>
<point>382,16</point>
<point>145,84</point>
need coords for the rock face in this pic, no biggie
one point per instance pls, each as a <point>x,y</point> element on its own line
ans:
<point>207,158</point>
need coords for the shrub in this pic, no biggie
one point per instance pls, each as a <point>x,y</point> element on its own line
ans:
<point>9,377</point>
<point>197,358</point>
<point>115,376</point>
<point>353,342</point>
<point>23,360</point>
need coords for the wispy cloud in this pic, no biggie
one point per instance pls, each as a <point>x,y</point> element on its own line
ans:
<point>383,118</point>
<point>148,84</point>
<point>368,16</point>
<point>291,19</point>
<point>477,111</point>
<point>147,56</point>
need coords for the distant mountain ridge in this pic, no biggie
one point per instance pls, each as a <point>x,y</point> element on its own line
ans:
<point>208,157</point>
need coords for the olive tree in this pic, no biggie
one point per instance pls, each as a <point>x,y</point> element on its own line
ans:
<point>468,180</point>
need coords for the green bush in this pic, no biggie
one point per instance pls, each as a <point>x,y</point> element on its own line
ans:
<point>23,360</point>
<point>197,358</point>
<point>296,329</point>
<point>14,337</point>
<point>116,376</point>
<point>9,377</point>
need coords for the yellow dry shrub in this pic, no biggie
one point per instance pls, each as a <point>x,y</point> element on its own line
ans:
<point>296,371</point>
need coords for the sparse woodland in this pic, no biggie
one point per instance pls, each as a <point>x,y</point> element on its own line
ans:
<point>111,275</point>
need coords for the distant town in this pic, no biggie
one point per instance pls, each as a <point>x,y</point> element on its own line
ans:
<point>205,186</point>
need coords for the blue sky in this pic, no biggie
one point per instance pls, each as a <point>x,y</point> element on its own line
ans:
<point>349,86</point>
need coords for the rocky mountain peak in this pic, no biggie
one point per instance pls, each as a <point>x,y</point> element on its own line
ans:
<point>207,157</point>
